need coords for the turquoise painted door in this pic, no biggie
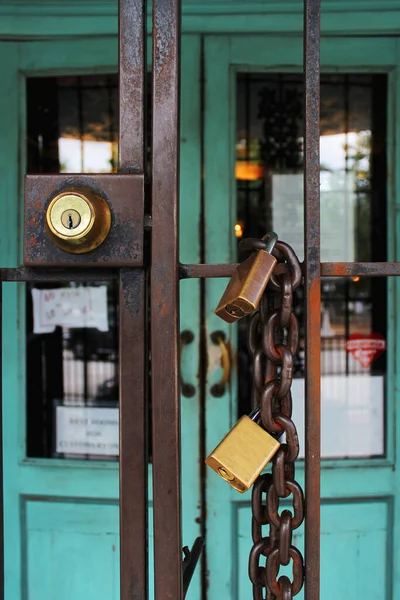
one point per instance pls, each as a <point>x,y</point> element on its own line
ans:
<point>253,182</point>
<point>61,510</point>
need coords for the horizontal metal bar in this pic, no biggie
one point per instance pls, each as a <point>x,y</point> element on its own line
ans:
<point>203,271</point>
<point>60,275</point>
<point>328,269</point>
<point>367,269</point>
<point>339,269</point>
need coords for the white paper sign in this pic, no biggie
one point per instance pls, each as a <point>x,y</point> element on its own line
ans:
<point>337,214</point>
<point>87,430</point>
<point>70,307</point>
<point>352,415</point>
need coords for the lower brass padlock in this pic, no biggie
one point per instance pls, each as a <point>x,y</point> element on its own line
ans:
<point>243,293</point>
<point>243,453</point>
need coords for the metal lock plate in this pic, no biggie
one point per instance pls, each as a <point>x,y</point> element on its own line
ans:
<point>84,220</point>
<point>243,454</point>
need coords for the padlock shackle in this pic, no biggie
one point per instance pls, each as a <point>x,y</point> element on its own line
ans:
<point>266,243</point>
<point>270,238</point>
<point>255,414</point>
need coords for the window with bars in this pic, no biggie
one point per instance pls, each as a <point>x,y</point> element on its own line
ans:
<point>269,187</point>
<point>72,371</point>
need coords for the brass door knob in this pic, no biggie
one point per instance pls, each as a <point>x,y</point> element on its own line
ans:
<point>78,221</point>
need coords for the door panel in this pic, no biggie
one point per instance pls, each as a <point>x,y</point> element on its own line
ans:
<point>357,493</point>
<point>348,533</point>
<point>59,538</point>
<point>61,515</point>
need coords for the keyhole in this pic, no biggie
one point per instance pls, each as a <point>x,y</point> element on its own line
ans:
<point>70,219</point>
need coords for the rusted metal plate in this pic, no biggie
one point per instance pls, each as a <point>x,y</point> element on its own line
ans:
<point>312,285</point>
<point>123,246</point>
<point>133,456</point>
<point>165,302</point>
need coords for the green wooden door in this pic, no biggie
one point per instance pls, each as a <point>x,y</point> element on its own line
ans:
<point>253,161</point>
<point>61,513</point>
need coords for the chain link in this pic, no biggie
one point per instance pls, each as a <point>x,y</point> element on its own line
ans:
<point>273,340</point>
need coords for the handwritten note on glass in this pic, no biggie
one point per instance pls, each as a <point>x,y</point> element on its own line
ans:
<point>70,307</point>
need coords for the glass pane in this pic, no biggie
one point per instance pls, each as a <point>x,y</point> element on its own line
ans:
<point>73,124</point>
<point>72,329</point>
<point>269,162</point>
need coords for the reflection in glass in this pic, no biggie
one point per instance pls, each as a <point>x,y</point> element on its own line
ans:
<point>72,124</point>
<point>269,183</point>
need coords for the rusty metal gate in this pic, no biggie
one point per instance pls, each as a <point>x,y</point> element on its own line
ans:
<point>135,213</point>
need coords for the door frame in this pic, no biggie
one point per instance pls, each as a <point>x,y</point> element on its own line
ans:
<point>224,57</point>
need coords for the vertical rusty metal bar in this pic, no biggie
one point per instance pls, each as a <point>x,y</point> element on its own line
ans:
<point>312,295</point>
<point>133,408</point>
<point>133,435</point>
<point>132,81</point>
<point>165,301</point>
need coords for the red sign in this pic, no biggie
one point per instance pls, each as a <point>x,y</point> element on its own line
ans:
<point>366,348</point>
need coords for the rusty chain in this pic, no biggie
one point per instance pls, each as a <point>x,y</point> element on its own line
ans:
<point>273,341</point>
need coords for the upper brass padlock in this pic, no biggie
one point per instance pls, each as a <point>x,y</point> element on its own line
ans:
<point>243,293</point>
<point>78,221</point>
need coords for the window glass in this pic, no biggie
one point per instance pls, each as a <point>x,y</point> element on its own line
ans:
<point>72,366</point>
<point>269,184</point>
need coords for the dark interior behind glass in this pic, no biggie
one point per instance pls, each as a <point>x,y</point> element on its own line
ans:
<point>269,151</point>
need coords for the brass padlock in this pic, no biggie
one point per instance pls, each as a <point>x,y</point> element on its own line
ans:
<point>243,293</point>
<point>78,221</point>
<point>243,453</point>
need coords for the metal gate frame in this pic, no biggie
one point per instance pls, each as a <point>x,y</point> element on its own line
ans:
<point>161,223</point>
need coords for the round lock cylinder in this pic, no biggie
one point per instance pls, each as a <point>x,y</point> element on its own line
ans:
<point>78,221</point>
